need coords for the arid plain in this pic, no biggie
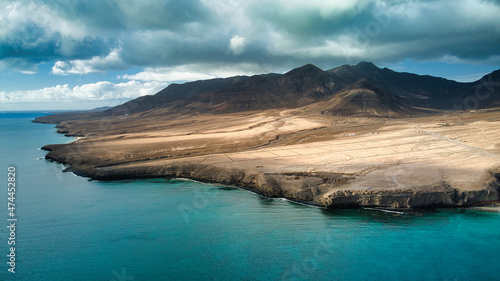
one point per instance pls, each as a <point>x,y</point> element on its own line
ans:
<point>441,159</point>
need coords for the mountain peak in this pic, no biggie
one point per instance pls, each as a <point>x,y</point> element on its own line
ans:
<point>365,65</point>
<point>304,70</point>
<point>363,88</point>
<point>364,99</point>
<point>354,72</point>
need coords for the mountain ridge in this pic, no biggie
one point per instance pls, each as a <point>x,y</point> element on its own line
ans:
<point>363,98</point>
<point>308,84</point>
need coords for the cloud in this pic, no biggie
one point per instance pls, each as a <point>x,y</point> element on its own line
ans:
<point>237,44</point>
<point>191,72</point>
<point>163,75</point>
<point>91,36</point>
<point>43,35</point>
<point>95,64</point>
<point>100,91</point>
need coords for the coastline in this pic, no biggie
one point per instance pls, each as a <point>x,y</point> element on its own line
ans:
<point>354,169</point>
<point>119,201</point>
<point>270,186</point>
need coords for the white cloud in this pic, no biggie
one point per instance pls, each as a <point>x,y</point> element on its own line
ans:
<point>192,72</point>
<point>237,44</point>
<point>31,72</point>
<point>468,78</point>
<point>95,64</point>
<point>99,91</point>
<point>16,25</point>
<point>166,75</point>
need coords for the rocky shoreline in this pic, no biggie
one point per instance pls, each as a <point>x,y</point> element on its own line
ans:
<point>272,185</point>
<point>321,161</point>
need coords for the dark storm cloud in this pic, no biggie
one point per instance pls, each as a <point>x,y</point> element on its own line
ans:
<point>33,43</point>
<point>123,15</point>
<point>86,36</point>
<point>67,30</point>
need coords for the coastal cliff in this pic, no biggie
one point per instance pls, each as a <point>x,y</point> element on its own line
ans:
<point>305,187</point>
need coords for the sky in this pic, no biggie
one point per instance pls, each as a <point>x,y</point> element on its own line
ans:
<point>82,54</point>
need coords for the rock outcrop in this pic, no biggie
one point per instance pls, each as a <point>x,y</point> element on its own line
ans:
<point>304,187</point>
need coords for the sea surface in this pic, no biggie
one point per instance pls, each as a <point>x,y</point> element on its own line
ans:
<point>70,228</point>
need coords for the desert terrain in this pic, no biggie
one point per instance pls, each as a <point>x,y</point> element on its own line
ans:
<point>441,159</point>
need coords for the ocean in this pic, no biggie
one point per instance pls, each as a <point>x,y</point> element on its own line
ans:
<point>70,228</point>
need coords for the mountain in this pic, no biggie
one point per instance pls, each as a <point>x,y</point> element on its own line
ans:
<point>171,96</point>
<point>418,90</point>
<point>298,87</point>
<point>362,89</point>
<point>363,98</point>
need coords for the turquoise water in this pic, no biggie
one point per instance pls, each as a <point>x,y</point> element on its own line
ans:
<point>70,228</point>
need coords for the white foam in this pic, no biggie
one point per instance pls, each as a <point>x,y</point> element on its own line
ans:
<point>384,210</point>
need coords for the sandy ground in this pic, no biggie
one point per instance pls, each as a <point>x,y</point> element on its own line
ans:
<point>449,149</point>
